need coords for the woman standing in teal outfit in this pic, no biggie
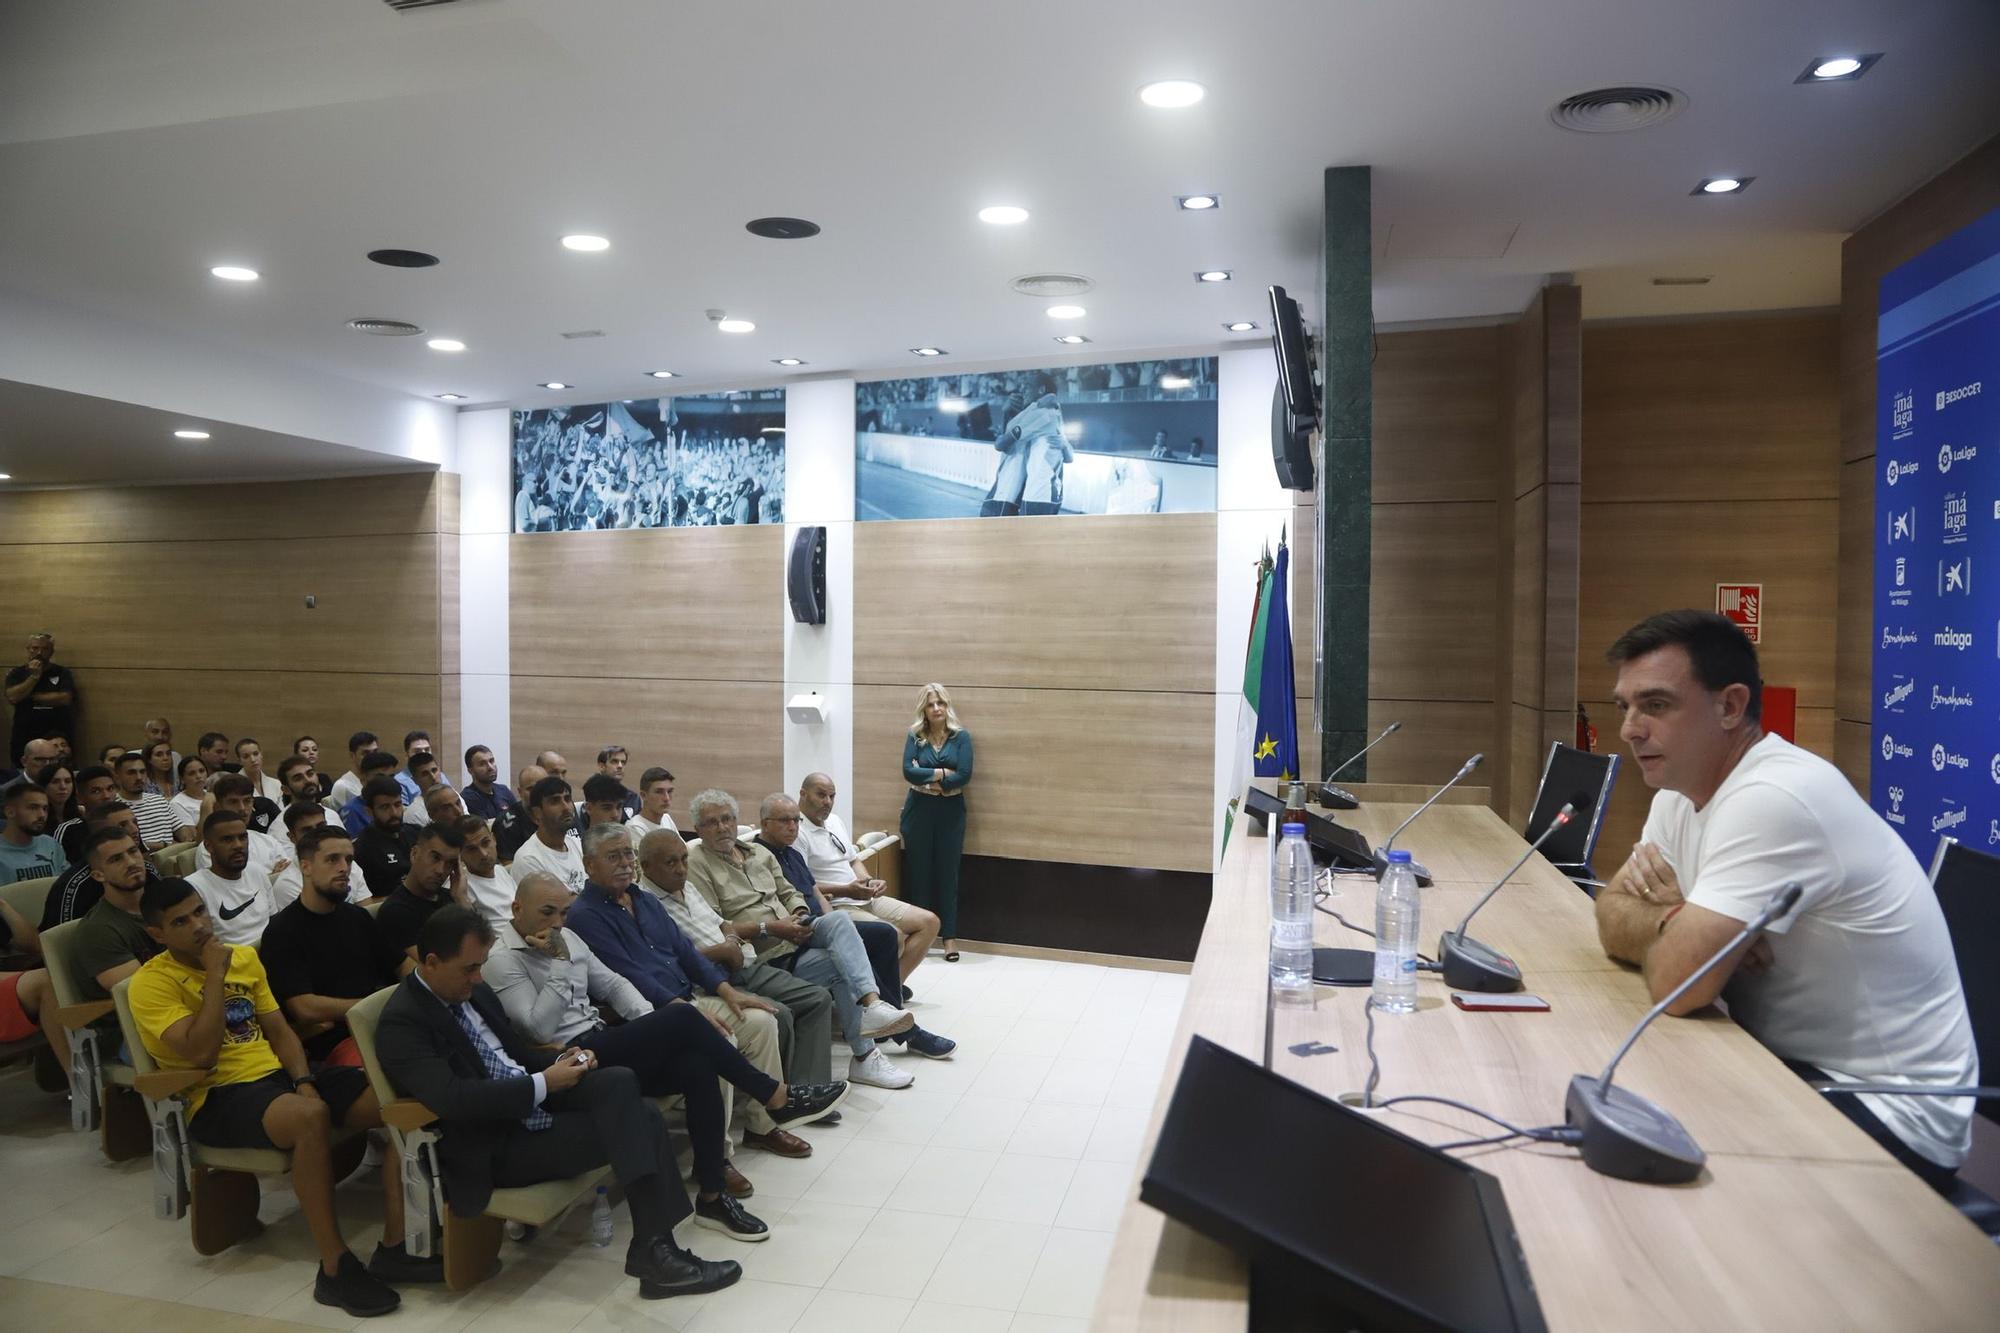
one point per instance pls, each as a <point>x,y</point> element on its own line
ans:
<point>937,763</point>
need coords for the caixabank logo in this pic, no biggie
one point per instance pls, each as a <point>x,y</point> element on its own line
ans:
<point>1903,525</point>
<point>1954,577</point>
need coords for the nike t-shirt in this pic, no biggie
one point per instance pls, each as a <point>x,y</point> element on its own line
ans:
<point>238,908</point>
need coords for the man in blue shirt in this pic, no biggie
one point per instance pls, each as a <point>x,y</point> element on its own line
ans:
<point>355,814</point>
<point>486,796</point>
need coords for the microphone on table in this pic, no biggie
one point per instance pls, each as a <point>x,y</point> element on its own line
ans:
<point>1470,965</point>
<point>1339,798</point>
<point>1382,852</point>
<point>1628,1136</point>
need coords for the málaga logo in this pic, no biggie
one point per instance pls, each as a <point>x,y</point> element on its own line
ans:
<point>1904,414</point>
<point>1946,397</point>
<point>1957,512</point>
<point>1891,750</point>
<point>1952,638</point>
<point>1948,455</point>
<point>1941,759</point>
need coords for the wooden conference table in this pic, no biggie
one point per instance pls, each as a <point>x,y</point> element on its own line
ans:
<point>1799,1220</point>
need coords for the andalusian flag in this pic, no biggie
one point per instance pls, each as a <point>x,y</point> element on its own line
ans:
<point>1267,726</point>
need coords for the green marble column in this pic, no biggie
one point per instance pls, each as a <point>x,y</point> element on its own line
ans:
<point>1347,425</point>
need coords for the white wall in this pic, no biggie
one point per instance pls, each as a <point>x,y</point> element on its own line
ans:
<point>485,518</point>
<point>1252,509</point>
<point>819,489</point>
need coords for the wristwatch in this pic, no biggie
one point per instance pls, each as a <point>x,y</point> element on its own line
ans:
<point>307,1077</point>
<point>763,930</point>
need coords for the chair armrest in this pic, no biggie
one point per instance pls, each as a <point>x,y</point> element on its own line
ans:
<point>164,1083</point>
<point>408,1115</point>
<point>73,1016</point>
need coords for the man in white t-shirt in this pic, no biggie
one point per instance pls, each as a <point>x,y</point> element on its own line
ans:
<point>238,893</point>
<point>491,884</point>
<point>656,804</point>
<point>269,852</point>
<point>289,883</point>
<point>555,849</point>
<point>1858,983</point>
<point>348,785</point>
<point>828,847</point>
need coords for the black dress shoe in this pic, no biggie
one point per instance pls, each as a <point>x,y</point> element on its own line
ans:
<point>664,1269</point>
<point>354,1290</point>
<point>396,1264</point>
<point>810,1101</point>
<point>724,1214</point>
<point>908,995</point>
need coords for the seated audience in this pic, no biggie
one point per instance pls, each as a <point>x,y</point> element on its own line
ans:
<point>656,803</point>
<point>59,781</point>
<point>110,940</point>
<point>489,886</point>
<point>430,882</point>
<point>418,776</point>
<point>382,846</point>
<point>94,786</point>
<point>159,730</point>
<point>202,1003</point>
<point>238,893</point>
<point>414,744</point>
<point>829,848</point>
<point>348,785</point>
<point>486,796</point>
<point>77,889</point>
<point>307,748</point>
<point>555,849</point>
<point>298,781</point>
<point>269,852</point>
<point>159,824</point>
<point>805,1011</point>
<point>778,831</point>
<point>355,814</point>
<point>250,759</point>
<point>28,1001</point>
<point>213,747</point>
<point>553,764</point>
<point>512,1115</point>
<point>515,824</point>
<point>611,761</point>
<point>551,985</point>
<point>26,849</point>
<point>441,802</point>
<point>162,764</point>
<point>300,819</point>
<point>603,802</point>
<point>744,885</point>
<point>190,791</point>
<point>1859,982</point>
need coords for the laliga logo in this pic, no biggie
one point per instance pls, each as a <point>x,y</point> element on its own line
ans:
<point>1947,455</point>
<point>1891,750</point>
<point>1898,470</point>
<point>1995,769</point>
<point>1946,397</point>
<point>1890,698</point>
<point>1942,758</point>
<point>1952,638</point>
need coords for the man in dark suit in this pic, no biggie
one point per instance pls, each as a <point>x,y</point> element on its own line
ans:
<point>511,1115</point>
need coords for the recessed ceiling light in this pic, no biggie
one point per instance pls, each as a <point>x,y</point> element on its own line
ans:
<point>1072,339</point>
<point>6,476</point>
<point>234,273</point>
<point>953,406</point>
<point>1212,275</point>
<point>1066,312</point>
<point>1004,215</point>
<point>190,434</point>
<point>554,384</point>
<point>1241,326</point>
<point>1837,69</point>
<point>787,361</point>
<point>928,351</point>
<point>1175,382</point>
<point>661,374</point>
<point>445,345</point>
<point>451,397</point>
<point>587,244</point>
<point>1172,93</point>
<point>1196,203</point>
<point>735,326</point>
<point>1723,185</point>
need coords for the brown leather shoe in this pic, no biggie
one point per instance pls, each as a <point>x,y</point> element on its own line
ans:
<point>782,1142</point>
<point>736,1182</point>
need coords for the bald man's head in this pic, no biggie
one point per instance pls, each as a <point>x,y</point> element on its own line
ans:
<point>541,903</point>
<point>553,764</point>
<point>816,795</point>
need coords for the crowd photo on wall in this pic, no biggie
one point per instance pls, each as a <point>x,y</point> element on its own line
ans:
<point>691,461</point>
<point>1125,437</point>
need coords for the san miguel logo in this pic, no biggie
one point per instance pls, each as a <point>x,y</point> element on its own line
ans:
<point>1948,455</point>
<point>1957,512</point>
<point>1946,397</point>
<point>1949,819</point>
<point>1941,759</point>
<point>1949,697</point>
<point>1904,415</point>
<point>1952,638</point>
<point>1892,750</point>
<point>1894,699</point>
<point>1898,637</point>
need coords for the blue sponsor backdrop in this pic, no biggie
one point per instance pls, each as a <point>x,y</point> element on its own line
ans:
<point>1936,767</point>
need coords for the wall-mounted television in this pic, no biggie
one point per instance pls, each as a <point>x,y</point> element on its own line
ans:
<point>1288,340</point>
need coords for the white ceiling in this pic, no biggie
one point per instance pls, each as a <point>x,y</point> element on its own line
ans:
<point>141,142</point>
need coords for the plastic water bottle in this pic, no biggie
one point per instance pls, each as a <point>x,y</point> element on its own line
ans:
<point>1397,909</point>
<point>600,1218</point>
<point>1291,919</point>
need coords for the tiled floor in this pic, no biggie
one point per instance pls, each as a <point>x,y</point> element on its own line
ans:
<point>981,1200</point>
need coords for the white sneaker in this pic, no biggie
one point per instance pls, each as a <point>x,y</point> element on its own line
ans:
<point>876,1071</point>
<point>885,1020</point>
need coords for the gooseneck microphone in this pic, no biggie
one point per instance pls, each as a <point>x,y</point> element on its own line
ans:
<point>1382,852</point>
<point>1469,965</point>
<point>1628,1136</point>
<point>1339,798</point>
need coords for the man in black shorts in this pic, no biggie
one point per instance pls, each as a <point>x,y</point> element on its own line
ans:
<point>205,1005</point>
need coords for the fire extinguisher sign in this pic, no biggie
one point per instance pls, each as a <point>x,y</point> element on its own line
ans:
<point>1744,604</point>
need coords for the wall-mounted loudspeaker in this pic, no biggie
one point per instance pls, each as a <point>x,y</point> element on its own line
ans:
<point>1291,446</point>
<point>805,576</point>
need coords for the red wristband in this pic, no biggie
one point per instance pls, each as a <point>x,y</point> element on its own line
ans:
<point>1662,928</point>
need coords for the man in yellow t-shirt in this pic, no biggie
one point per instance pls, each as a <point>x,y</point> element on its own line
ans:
<point>203,1004</point>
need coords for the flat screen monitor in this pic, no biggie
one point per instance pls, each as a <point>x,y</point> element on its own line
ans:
<point>1395,1234</point>
<point>1342,845</point>
<point>1288,340</point>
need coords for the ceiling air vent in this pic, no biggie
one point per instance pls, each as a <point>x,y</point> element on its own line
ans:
<point>385,328</point>
<point>1618,110</point>
<point>574,334</point>
<point>1052,284</point>
<point>416,4</point>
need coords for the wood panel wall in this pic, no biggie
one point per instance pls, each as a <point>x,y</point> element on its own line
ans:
<point>189,601</point>
<point>1080,652</point>
<point>668,641</point>
<point>1711,455</point>
<point>1961,195</point>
